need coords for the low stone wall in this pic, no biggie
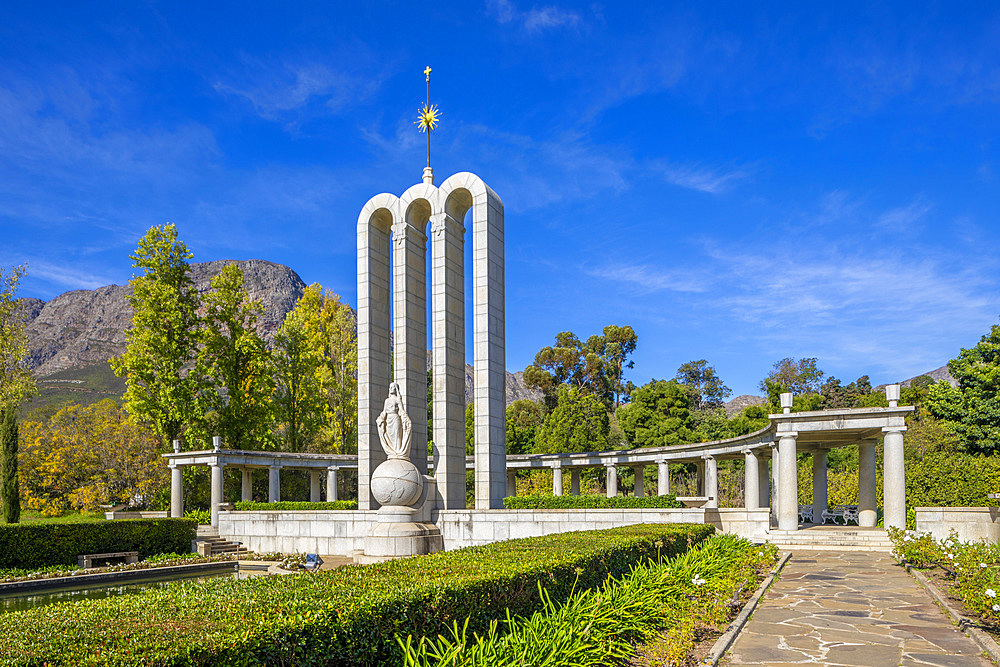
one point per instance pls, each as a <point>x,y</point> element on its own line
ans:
<point>342,532</point>
<point>327,532</point>
<point>111,516</point>
<point>971,523</point>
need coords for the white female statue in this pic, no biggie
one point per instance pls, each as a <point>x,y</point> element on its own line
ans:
<point>394,426</point>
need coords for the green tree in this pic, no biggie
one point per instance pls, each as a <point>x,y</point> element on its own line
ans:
<point>972,409</point>
<point>338,342</point>
<point>704,385</point>
<point>162,343</point>
<point>618,345</point>
<point>10,497</point>
<point>299,403</point>
<point>578,423</point>
<point>236,365</point>
<point>799,377</point>
<point>658,415</point>
<point>524,417</point>
<point>470,429</point>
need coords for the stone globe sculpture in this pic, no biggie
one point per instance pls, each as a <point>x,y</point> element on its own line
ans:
<point>396,481</point>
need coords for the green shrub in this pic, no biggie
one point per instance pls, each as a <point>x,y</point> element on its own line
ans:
<point>203,517</point>
<point>541,502</point>
<point>291,506</point>
<point>348,616</point>
<point>32,545</point>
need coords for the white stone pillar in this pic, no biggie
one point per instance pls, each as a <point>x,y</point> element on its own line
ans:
<point>893,478</point>
<point>764,482</point>
<point>775,474</point>
<point>216,492</point>
<point>374,301</point>
<point>751,481</point>
<point>557,482</point>
<point>511,482</point>
<point>662,477</point>
<point>409,319</point>
<point>448,331</point>
<point>712,482</point>
<point>611,479</point>
<point>489,350</point>
<point>331,484</point>
<point>867,502</point>
<point>820,499</point>
<point>176,491</point>
<point>315,486</point>
<point>574,481</point>
<point>246,484</point>
<point>274,484</point>
<point>640,480</point>
<point>788,483</point>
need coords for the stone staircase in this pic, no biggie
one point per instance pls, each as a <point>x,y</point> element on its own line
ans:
<point>210,542</point>
<point>831,538</point>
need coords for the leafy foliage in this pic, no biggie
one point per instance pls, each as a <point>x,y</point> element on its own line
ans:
<point>86,456</point>
<point>10,496</point>
<point>657,416</point>
<point>524,418</point>
<point>972,410</point>
<point>294,506</point>
<point>16,380</point>
<point>348,616</point>
<point>798,377</point>
<point>578,423</point>
<point>592,501</point>
<point>31,545</point>
<point>162,341</point>
<point>704,385</point>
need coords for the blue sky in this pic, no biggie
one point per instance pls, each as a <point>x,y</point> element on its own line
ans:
<point>737,181</point>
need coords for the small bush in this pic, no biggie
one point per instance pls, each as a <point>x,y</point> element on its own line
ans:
<point>203,517</point>
<point>541,502</point>
<point>33,545</point>
<point>291,506</point>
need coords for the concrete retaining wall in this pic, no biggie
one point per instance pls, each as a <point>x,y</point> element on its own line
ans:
<point>971,523</point>
<point>341,532</point>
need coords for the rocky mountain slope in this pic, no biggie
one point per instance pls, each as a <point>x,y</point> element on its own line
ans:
<point>71,337</point>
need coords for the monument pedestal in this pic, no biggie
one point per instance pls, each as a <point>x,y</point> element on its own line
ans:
<point>403,531</point>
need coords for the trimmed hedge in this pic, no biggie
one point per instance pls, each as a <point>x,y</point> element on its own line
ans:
<point>540,502</point>
<point>250,505</point>
<point>348,616</point>
<point>33,545</point>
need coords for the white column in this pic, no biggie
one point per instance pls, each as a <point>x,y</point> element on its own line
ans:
<point>640,480</point>
<point>611,479</point>
<point>775,474</point>
<point>489,350</point>
<point>274,484</point>
<point>216,494</point>
<point>176,491</point>
<point>893,478</point>
<point>448,332</point>
<point>662,477</point>
<point>409,319</point>
<point>246,485</point>
<point>374,300</point>
<point>867,509</point>
<point>712,482</point>
<point>511,482</point>
<point>331,484</point>
<point>574,481</point>
<point>820,499</point>
<point>764,480</point>
<point>751,481</point>
<point>788,483</point>
<point>315,486</point>
<point>557,483</point>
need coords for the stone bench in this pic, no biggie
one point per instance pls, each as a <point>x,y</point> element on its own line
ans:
<point>805,513</point>
<point>87,560</point>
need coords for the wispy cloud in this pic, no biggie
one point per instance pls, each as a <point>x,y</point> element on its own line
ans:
<point>536,19</point>
<point>645,278</point>
<point>701,178</point>
<point>68,276</point>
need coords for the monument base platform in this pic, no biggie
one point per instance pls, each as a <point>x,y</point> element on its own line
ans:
<point>398,533</point>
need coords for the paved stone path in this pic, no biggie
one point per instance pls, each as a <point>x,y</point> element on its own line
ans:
<point>850,608</point>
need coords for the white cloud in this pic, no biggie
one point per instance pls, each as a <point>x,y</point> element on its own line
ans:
<point>646,279</point>
<point>536,19</point>
<point>702,179</point>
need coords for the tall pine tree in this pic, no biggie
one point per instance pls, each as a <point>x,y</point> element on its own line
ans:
<point>10,498</point>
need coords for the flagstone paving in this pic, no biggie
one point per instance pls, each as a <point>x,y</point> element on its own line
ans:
<point>850,608</point>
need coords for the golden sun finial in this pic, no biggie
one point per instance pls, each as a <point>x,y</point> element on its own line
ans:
<point>427,121</point>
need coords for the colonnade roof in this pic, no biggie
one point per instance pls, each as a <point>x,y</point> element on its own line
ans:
<point>257,459</point>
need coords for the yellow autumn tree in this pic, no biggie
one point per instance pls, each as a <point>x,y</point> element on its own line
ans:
<point>86,456</point>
